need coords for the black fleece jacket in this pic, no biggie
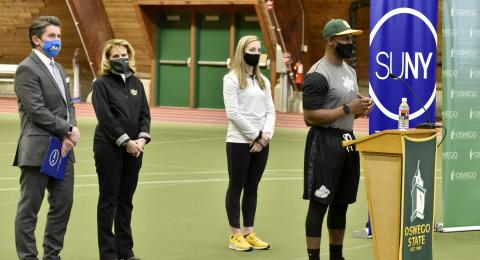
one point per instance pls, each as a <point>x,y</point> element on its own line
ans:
<point>121,108</point>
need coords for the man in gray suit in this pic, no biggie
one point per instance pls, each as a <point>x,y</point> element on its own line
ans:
<point>45,110</point>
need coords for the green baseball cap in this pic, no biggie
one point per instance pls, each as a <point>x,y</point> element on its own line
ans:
<point>338,27</point>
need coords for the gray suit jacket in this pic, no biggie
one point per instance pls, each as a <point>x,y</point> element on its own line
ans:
<point>42,109</point>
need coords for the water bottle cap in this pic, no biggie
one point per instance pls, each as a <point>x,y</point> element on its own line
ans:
<point>404,99</point>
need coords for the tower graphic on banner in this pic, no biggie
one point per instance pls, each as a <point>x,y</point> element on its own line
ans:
<point>418,195</point>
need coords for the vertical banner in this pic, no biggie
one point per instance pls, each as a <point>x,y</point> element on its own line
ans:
<point>418,197</point>
<point>76,76</point>
<point>461,115</point>
<point>403,42</point>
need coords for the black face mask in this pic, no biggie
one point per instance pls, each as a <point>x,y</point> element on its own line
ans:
<point>251,59</point>
<point>345,51</point>
<point>119,66</point>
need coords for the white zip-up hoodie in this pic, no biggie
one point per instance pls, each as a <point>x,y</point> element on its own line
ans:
<point>249,110</point>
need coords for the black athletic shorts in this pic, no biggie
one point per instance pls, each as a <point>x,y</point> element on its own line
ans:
<point>331,172</point>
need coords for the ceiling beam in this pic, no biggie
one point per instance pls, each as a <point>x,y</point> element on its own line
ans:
<point>93,27</point>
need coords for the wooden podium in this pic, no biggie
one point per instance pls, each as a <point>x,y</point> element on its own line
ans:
<point>382,159</point>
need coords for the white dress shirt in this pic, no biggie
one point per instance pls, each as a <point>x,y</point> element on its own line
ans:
<point>46,60</point>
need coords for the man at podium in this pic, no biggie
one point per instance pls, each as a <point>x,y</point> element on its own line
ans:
<point>331,103</point>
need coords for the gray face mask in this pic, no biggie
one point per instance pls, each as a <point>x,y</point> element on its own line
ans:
<point>120,66</point>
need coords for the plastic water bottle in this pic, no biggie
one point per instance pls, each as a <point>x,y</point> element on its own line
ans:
<point>403,115</point>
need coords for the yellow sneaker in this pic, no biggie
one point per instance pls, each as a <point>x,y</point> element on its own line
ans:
<point>238,242</point>
<point>256,242</point>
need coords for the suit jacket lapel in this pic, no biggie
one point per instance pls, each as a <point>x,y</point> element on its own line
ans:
<point>47,72</point>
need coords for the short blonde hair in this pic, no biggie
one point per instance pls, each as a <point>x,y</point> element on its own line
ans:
<point>239,65</point>
<point>105,65</point>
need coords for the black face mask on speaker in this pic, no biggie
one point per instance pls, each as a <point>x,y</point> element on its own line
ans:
<point>251,59</point>
<point>345,51</point>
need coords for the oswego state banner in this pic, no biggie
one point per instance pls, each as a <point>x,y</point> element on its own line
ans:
<point>418,197</point>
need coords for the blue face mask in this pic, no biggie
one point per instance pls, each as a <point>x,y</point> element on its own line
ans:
<point>52,48</point>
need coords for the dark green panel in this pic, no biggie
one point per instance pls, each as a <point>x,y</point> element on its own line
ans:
<point>173,43</point>
<point>213,45</point>
<point>247,24</point>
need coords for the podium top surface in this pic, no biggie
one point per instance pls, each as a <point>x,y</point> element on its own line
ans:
<point>388,141</point>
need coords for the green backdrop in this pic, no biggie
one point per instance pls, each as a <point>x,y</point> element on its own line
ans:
<point>461,114</point>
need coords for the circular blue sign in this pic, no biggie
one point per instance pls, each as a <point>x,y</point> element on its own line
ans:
<point>404,43</point>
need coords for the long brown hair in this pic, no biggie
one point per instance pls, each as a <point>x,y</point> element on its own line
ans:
<point>239,66</point>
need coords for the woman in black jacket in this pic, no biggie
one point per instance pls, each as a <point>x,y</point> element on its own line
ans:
<point>122,131</point>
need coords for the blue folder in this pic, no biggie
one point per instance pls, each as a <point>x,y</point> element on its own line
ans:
<point>53,164</point>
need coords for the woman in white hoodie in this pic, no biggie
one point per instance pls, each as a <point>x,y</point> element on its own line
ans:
<point>251,120</point>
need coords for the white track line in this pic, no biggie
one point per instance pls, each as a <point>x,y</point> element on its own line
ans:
<point>268,172</point>
<point>187,140</point>
<point>8,143</point>
<point>153,143</point>
<point>177,182</point>
<point>173,181</point>
<point>166,173</point>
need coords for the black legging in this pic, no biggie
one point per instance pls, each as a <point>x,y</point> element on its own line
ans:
<point>245,170</point>
<point>336,219</point>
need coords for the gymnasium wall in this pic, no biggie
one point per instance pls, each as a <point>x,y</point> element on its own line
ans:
<point>15,16</point>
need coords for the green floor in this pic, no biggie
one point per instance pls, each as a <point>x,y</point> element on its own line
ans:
<point>179,204</point>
